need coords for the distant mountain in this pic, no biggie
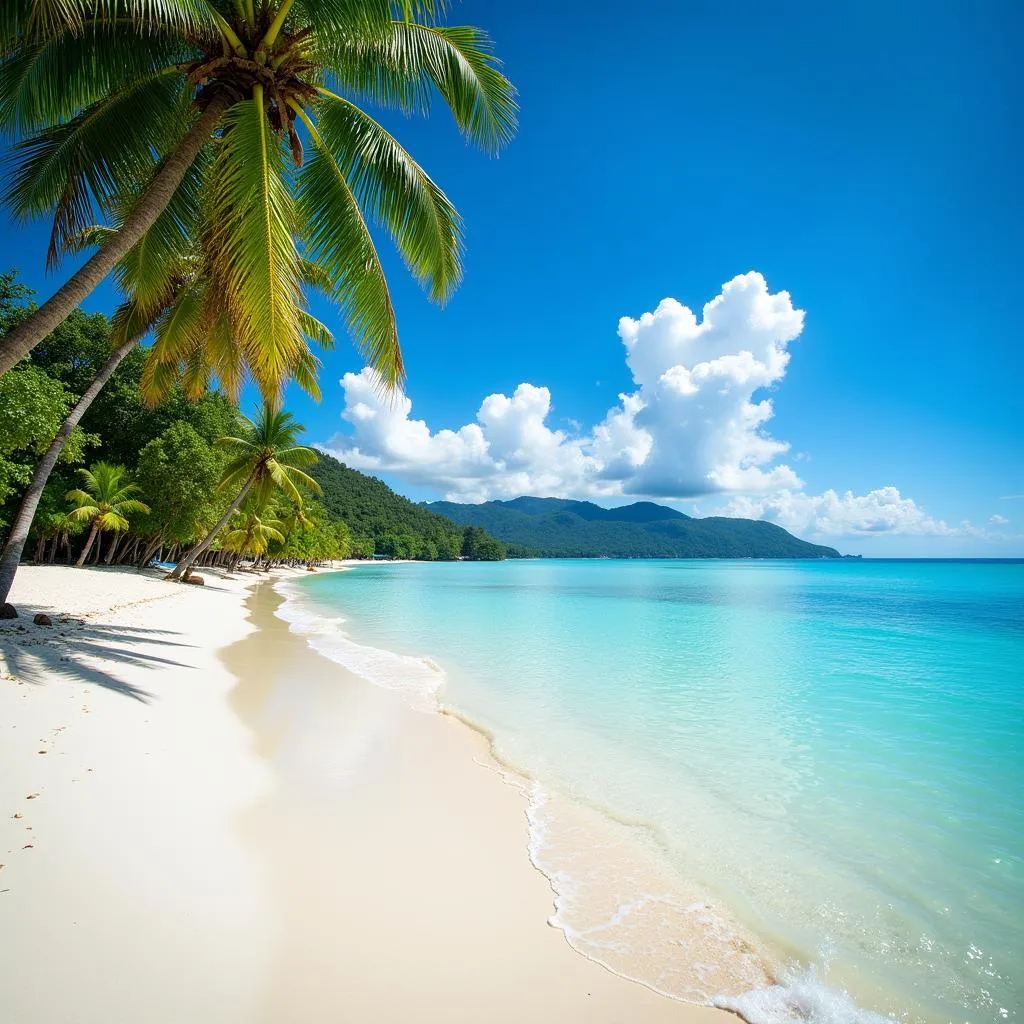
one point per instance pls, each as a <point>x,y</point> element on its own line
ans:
<point>385,523</point>
<point>558,528</point>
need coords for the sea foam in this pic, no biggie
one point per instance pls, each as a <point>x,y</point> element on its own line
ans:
<point>418,679</point>
<point>799,996</point>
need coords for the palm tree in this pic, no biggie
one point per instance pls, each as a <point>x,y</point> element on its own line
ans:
<point>251,532</point>
<point>105,502</point>
<point>266,458</point>
<point>174,297</point>
<point>197,105</point>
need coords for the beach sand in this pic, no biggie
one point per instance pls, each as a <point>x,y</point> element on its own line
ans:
<point>225,826</point>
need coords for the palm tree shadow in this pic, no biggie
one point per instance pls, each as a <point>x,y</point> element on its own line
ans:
<point>72,649</point>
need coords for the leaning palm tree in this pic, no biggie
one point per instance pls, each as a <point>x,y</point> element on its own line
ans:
<point>104,503</point>
<point>174,297</point>
<point>267,459</point>
<point>169,99</point>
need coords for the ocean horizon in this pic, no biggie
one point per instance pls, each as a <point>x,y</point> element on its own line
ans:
<point>786,788</point>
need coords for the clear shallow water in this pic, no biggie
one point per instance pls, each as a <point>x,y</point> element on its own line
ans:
<point>798,763</point>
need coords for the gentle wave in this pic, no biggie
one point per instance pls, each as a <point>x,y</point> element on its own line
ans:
<point>419,679</point>
<point>798,997</point>
<point>618,901</point>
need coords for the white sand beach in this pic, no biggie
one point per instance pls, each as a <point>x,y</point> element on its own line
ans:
<point>204,820</point>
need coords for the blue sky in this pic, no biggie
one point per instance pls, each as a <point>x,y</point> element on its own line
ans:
<point>865,158</point>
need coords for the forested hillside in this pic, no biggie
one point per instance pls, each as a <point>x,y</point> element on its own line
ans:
<point>398,528</point>
<point>557,528</point>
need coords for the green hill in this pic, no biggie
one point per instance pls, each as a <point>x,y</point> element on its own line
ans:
<point>399,528</point>
<point>557,528</point>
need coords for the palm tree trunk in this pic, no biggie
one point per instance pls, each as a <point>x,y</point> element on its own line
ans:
<point>30,501</point>
<point>185,564</point>
<point>18,342</point>
<point>115,543</point>
<point>97,549</point>
<point>88,544</point>
<point>148,554</point>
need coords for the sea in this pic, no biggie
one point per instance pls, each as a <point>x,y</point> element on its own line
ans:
<point>793,789</point>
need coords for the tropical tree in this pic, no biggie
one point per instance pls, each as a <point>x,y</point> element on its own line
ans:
<point>265,458</point>
<point>178,472</point>
<point>195,107</point>
<point>175,298</point>
<point>104,503</point>
<point>252,531</point>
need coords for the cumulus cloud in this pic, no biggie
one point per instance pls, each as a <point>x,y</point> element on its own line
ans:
<point>691,426</point>
<point>998,520</point>
<point>883,510</point>
<point>695,423</point>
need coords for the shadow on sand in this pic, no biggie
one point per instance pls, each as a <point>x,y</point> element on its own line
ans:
<point>70,649</point>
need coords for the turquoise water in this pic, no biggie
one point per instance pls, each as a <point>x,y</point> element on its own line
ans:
<point>831,754</point>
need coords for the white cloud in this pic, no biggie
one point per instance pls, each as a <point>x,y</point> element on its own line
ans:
<point>690,427</point>
<point>883,510</point>
<point>507,452</point>
<point>695,423</point>
<point>998,520</point>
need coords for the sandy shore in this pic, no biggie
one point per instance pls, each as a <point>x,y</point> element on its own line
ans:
<point>254,835</point>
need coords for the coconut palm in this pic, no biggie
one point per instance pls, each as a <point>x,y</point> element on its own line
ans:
<point>251,532</point>
<point>197,105</point>
<point>175,299</point>
<point>265,459</point>
<point>104,503</point>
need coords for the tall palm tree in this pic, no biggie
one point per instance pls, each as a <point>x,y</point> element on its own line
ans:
<point>105,502</point>
<point>174,100</point>
<point>267,459</point>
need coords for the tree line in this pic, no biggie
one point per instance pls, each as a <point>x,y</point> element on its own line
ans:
<point>137,482</point>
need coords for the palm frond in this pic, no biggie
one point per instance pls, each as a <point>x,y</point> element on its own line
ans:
<point>397,192</point>
<point>253,253</point>
<point>403,70</point>
<point>316,331</point>
<point>35,20</point>
<point>52,79</point>
<point>70,167</point>
<point>305,373</point>
<point>339,241</point>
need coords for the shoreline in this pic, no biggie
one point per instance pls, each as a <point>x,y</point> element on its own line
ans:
<point>290,840</point>
<point>686,946</point>
<point>738,968</point>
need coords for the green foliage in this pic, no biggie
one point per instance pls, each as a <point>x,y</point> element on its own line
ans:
<point>32,407</point>
<point>312,536</point>
<point>556,528</point>
<point>95,112</point>
<point>106,498</point>
<point>178,472</point>
<point>14,299</point>
<point>397,527</point>
<point>266,450</point>
<point>477,546</point>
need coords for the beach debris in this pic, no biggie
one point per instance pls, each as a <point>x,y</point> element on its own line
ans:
<point>28,846</point>
<point>42,751</point>
<point>31,796</point>
<point>19,815</point>
<point>8,611</point>
<point>42,619</point>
